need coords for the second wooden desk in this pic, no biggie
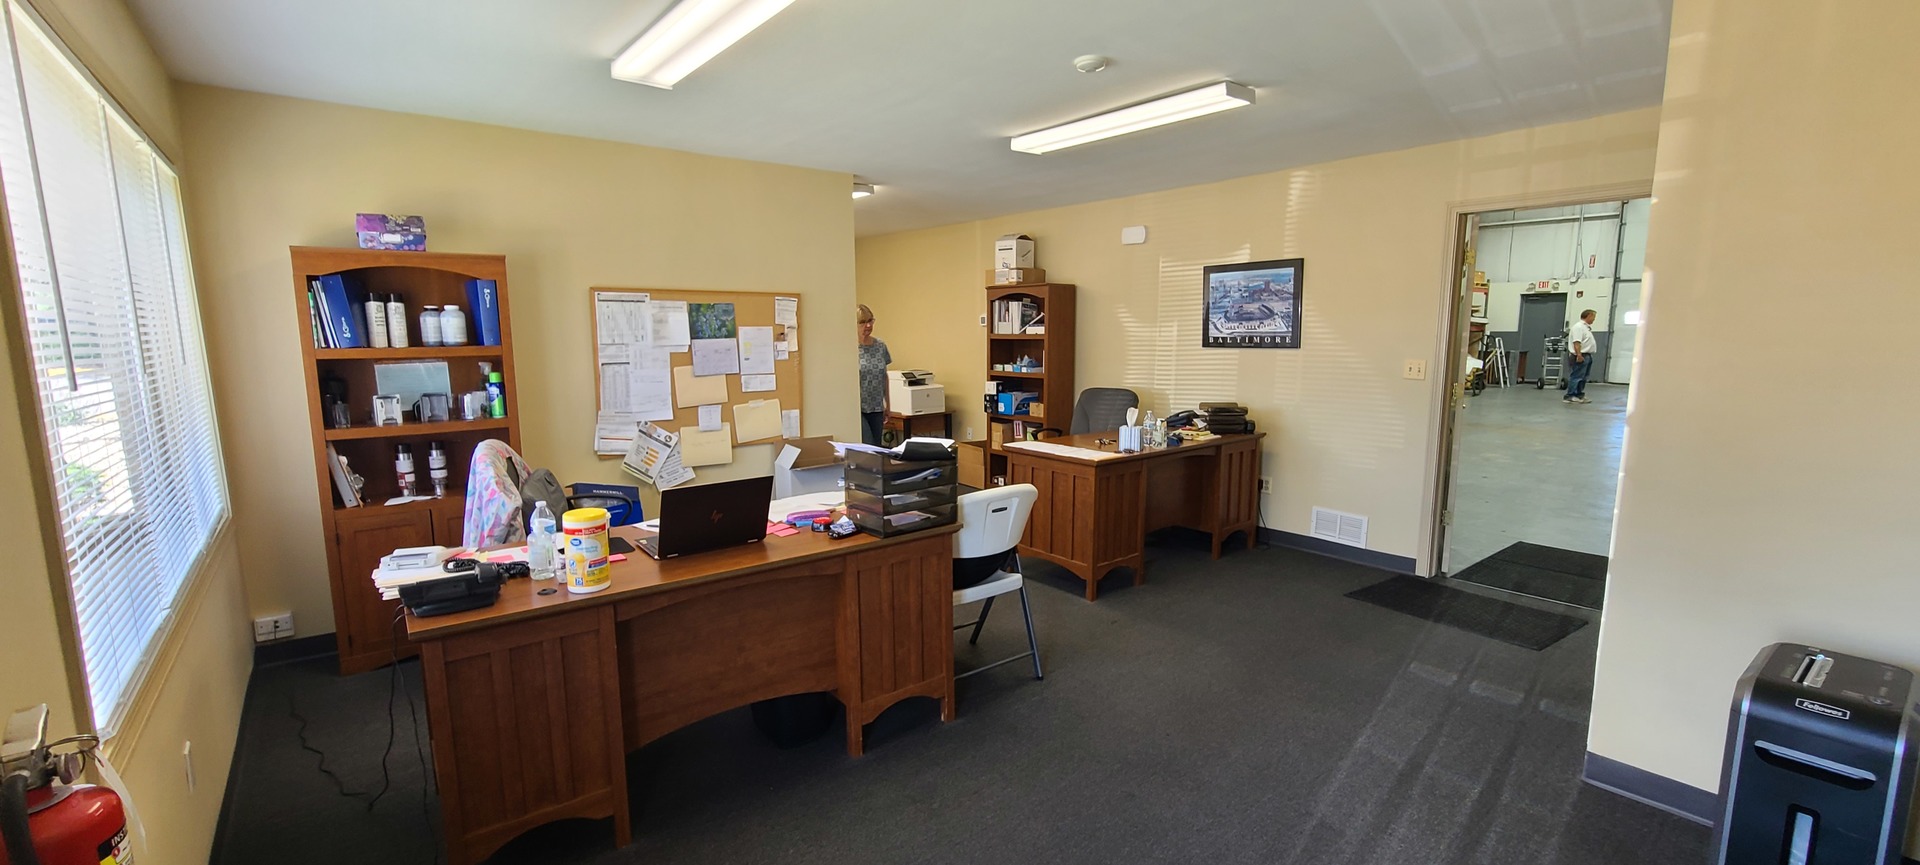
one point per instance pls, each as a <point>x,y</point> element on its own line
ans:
<point>1096,506</point>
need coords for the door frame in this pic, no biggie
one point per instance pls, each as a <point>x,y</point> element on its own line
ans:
<point>1448,391</point>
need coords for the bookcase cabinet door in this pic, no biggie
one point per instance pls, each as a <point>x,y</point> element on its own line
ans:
<point>364,538</point>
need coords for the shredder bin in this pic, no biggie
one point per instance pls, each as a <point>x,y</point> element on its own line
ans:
<point>1820,761</point>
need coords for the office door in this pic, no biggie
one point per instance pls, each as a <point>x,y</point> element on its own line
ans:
<point>1541,316</point>
<point>1465,259</point>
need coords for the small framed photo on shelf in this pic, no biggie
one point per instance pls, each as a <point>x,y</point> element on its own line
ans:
<point>1252,305</point>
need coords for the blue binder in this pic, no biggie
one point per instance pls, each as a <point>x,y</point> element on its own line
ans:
<point>483,299</point>
<point>336,302</point>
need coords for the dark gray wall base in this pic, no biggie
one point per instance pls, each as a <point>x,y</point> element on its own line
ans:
<point>296,649</point>
<point>1647,788</point>
<point>1311,544</point>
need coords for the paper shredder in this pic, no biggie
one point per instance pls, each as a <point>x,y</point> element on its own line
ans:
<point>1819,766</point>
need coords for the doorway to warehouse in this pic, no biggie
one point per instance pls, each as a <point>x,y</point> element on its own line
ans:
<point>1530,461</point>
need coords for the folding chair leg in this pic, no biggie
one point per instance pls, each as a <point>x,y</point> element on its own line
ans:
<point>980,622</point>
<point>1033,644</point>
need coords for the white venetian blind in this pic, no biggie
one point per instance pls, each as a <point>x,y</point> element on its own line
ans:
<point>118,359</point>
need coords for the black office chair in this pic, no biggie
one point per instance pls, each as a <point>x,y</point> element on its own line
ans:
<point>1099,409</point>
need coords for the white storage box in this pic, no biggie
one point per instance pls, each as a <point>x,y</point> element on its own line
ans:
<point>1013,250</point>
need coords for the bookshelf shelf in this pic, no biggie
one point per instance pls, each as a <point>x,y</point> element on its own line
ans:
<point>1001,373</point>
<point>417,430</point>
<point>420,353</point>
<point>1037,337</point>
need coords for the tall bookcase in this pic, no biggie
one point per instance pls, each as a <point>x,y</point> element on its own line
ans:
<point>356,537</point>
<point>1054,382</point>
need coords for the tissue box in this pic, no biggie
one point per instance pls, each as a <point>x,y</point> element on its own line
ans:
<point>392,231</point>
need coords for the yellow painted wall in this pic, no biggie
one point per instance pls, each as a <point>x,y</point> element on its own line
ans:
<point>568,213</point>
<point>1763,500</point>
<point>195,690</point>
<point>1345,431</point>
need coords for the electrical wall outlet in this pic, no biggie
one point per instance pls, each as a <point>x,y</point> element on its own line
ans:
<point>1415,370</point>
<point>968,432</point>
<point>1266,485</point>
<point>273,627</point>
<point>983,321</point>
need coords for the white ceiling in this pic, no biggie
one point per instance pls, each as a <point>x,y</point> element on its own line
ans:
<point>920,96</point>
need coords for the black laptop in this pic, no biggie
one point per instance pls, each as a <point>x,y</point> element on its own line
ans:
<point>711,517</point>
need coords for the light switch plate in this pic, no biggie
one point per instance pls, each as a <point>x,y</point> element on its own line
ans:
<point>1415,370</point>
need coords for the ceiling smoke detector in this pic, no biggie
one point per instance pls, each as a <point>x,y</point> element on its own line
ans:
<point>1090,62</point>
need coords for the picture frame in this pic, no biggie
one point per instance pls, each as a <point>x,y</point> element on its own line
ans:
<point>1255,304</point>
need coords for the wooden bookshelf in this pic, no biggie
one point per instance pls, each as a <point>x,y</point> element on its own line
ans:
<point>1054,382</point>
<point>356,537</point>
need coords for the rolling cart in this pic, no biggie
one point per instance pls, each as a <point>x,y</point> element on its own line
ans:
<point>1553,364</point>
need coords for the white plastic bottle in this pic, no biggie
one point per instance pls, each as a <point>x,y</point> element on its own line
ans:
<point>377,320</point>
<point>453,325</point>
<point>396,321</point>
<point>540,539</point>
<point>429,325</point>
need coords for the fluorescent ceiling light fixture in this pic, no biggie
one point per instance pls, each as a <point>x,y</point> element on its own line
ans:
<point>862,190</point>
<point>689,35</point>
<point>1198,102</point>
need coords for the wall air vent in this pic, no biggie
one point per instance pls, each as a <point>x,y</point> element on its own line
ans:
<point>1340,528</point>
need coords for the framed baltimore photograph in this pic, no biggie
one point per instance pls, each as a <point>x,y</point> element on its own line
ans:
<point>1253,305</point>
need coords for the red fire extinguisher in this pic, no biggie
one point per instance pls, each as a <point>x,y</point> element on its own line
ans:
<point>44,817</point>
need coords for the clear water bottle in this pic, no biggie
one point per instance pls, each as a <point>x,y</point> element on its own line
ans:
<point>1146,429</point>
<point>540,557</point>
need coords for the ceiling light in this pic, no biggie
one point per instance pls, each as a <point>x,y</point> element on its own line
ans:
<point>862,190</point>
<point>1171,109</point>
<point>689,35</point>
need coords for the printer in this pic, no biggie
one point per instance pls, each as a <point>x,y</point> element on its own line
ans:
<point>912,391</point>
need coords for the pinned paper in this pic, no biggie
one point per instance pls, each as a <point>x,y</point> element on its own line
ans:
<point>702,448</point>
<point>715,357</point>
<point>622,318</point>
<point>709,418</point>
<point>786,310</point>
<point>690,390</point>
<point>757,420</point>
<point>756,351</point>
<point>790,423</point>
<point>757,383</point>
<point>669,323</point>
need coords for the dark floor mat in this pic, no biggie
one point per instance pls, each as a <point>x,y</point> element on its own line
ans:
<point>1507,622</point>
<point>1584,565</point>
<point>1511,576</point>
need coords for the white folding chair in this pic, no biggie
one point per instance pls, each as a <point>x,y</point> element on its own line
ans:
<point>991,522</point>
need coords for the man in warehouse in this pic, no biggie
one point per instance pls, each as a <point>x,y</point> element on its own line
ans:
<point>1580,342</point>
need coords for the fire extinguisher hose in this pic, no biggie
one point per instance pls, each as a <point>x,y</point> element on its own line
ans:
<point>13,821</point>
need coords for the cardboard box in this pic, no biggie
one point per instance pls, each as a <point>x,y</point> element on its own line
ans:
<point>1017,276</point>
<point>1037,409</point>
<point>806,465</point>
<point>1015,401</point>
<point>1013,250</point>
<point>391,231</point>
<point>996,434</point>
<point>973,465</point>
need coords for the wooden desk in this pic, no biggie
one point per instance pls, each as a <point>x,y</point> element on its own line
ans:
<point>905,426</point>
<point>533,703</point>
<point>1094,513</point>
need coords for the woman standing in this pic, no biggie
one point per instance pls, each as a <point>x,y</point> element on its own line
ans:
<point>874,358</point>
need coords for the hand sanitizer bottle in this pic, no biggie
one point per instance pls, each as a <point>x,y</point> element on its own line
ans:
<point>540,558</point>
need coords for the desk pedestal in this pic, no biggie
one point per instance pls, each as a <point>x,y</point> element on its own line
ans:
<point>1093,515</point>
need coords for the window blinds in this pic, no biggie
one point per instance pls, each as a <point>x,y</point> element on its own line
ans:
<point>118,358</point>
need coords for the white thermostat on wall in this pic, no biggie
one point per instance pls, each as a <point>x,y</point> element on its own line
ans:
<point>1133,234</point>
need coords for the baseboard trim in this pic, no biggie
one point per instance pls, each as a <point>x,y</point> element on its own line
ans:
<point>1674,797</point>
<point>1357,555</point>
<point>296,649</point>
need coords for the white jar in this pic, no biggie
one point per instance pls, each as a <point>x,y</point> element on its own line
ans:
<point>430,325</point>
<point>453,326</point>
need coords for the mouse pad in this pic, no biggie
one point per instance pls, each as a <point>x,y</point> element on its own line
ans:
<point>619,546</point>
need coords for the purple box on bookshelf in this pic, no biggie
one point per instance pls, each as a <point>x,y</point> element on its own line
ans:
<point>392,231</point>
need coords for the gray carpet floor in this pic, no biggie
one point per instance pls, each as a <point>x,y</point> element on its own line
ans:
<point>1233,712</point>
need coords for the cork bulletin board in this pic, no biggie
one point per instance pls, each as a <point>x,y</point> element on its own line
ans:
<point>751,309</point>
